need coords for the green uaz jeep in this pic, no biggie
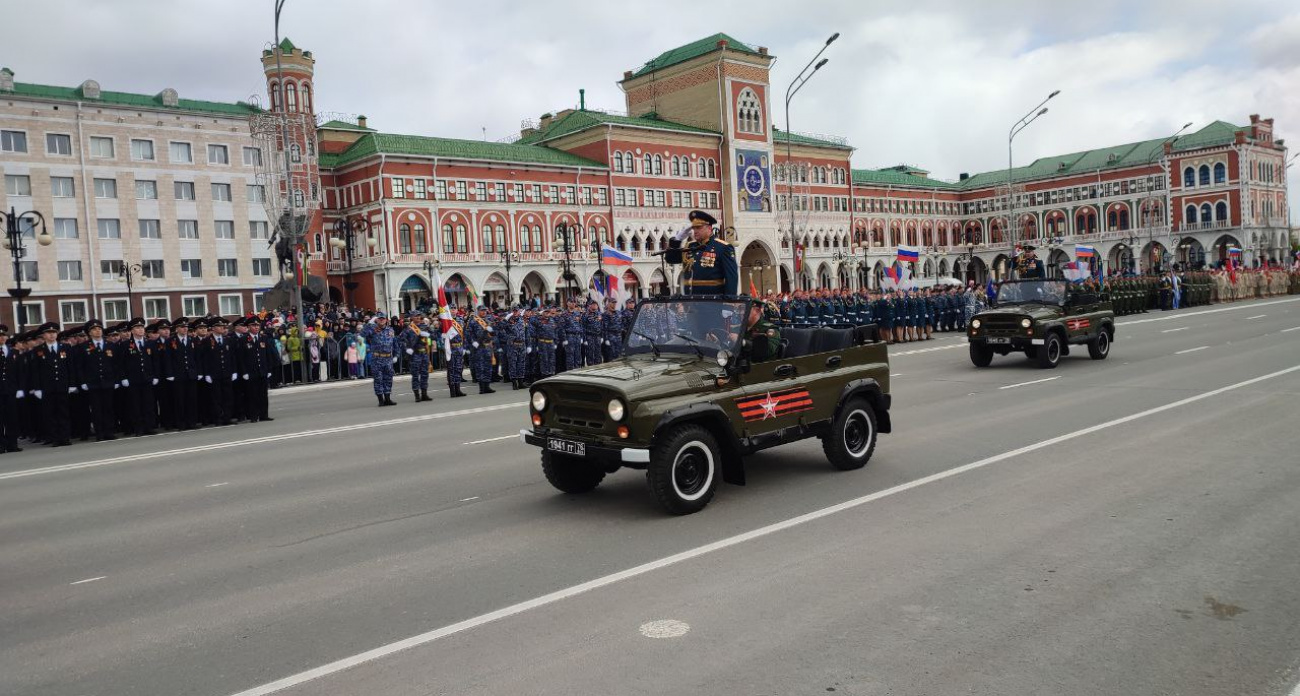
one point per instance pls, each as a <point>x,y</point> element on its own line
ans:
<point>1042,319</point>
<point>686,402</point>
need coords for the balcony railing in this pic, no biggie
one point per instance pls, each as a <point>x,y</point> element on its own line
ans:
<point>1199,226</point>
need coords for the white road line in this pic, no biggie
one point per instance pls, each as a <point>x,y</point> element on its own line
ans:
<point>1233,308</point>
<point>1181,328</point>
<point>1257,316</point>
<point>270,439</point>
<point>927,350</point>
<point>896,374</point>
<point>82,582</point>
<point>491,439</point>
<point>1191,350</point>
<point>466,500</point>
<point>1293,328</point>
<point>1037,381</point>
<point>216,485</point>
<point>575,590</point>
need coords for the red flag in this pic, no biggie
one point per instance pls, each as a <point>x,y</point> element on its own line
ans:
<point>798,259</point>
<point>753,291</point>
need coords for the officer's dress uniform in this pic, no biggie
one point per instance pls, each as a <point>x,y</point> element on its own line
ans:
<point>218,359</point>
<point>138,371</point>
<point>417,352</point>
<point>52,364</point>
<point>592,333</point>
<point>255,358</point>
<point>482,339</point>
<point>381,347</point>
<point>8,397</point>
<point>184,367</point>
<point>709,268</point>
<point>163,391</point>
<point>97,371</point>
<point>545,338</point>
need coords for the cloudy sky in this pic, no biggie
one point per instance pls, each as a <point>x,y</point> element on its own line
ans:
<point>930,83</point>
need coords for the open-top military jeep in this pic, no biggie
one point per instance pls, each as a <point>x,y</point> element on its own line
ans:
<point>686,403</point>
<point>1042,319</point>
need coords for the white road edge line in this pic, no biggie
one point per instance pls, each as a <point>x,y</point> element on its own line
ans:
<point>1037,381</point>
<point>768,530</point>
<point>1250,305</point>
<point>1181,328</point>
<point>217,485</point>
<point>82,582</point>
<point>1191,350</point>
<point>466,500</point>
<point>255,441</point>
<point>492,439</point>
<point>1257,316</point>
<point>1293,328</point>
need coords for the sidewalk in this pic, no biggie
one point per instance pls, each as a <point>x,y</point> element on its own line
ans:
<point>439,375</point>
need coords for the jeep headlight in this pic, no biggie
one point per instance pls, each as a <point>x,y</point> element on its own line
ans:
<point>1026,323</point>
<point>539,401</point>
<point>724,357</point>
<point>975,323</point>
<point>616,410</point>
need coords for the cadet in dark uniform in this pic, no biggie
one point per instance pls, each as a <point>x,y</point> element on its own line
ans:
<point>709,264</point>
<point>8,393</point>
<point>547,334</point>
<point>480,334</point>
<point>183,366</point>
<point>219,370</point>
<point>414,342</point>
<point>139,376</point>
<point>255,359</point>
<point>593,329</point>
<point>456,359</point>
<point>96,369</point>
<point>52,368</point>
<point>612,328</point>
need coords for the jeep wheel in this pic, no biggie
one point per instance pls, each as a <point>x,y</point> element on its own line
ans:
<point>1099,347</point>
<point>683,470</point>
<point>1049,354</point>
<point>981,355</point>
<point>570,474</point>
<point>853,436</point>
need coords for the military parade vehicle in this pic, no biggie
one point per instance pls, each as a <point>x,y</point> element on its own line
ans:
<point>1042,319</point>
<point>691,396</point>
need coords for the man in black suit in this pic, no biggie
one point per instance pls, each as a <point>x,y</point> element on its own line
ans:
<point>97,371</point>
<point>139,376</point>
<point>183,371</point>
<point>52,378</point>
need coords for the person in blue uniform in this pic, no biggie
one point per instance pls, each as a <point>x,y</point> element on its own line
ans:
<point>612,327</point>
<point>482,341</point>
<point>1028,265</point>
<point>708,263</point>
<point>571,329</point>
<point>547,339</point>
<point>628,314</point>
<point>415,343</point>
<point>381,351</point>
<point>515,335</point>
<point>799,309</point>
<point>455,358</point>
<point>593,330</point>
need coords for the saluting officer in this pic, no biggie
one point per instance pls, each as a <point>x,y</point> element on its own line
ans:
<point>709,264</point>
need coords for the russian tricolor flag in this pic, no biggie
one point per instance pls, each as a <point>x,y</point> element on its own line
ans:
<point>1084,251</point>
<point>613,257</point>
<point>908,254</point>
<point>1234,251</point>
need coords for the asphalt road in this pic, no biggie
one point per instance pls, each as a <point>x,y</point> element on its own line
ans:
<point>1128,526</point>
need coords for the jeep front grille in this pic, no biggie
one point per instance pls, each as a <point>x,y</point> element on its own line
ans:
<point>1001,326</point>
<point>579,417</point>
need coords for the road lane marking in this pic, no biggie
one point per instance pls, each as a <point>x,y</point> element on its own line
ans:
<point>216,485</point>
<point>768,530</point>
<point>1191,350</point>
<point>1293,328</point>
<point>1037,381</point>
<point>1233,308</point>
<point>270,439</point>
<point>1181,328</point>
<point>1257,316</point>
<point>926,350</point>
<point>491,439</point>
<point>896,374</point>
<point>82,582</point>
<point>466,500</point>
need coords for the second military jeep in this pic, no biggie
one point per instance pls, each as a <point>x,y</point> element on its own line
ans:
<point>1042,319</point>
<point>685,403</point>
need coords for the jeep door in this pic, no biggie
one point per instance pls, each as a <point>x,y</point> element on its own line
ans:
<point>788,392</point>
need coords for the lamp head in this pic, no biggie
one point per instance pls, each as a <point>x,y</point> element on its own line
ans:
<point>820,63</point>
<point>831,40</point>
<point>1040,113</point>
<point>1054,93</point>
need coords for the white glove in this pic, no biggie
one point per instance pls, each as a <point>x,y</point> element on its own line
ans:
<point>583,343</point>
<point>491,330</point>
<point>410,351</point>
<point>37,393</point>
<point>607,341</point>
<point>529,350</point>
<point>72,390</point>
<point>85,387</point>
<point>171,379</point>
<point>564,343</point>
<point>155,381</point>
<point>394,359</point>
<point>20,394</point>
<point>126,382</point>
<point>268,375</point>
<point>245,377</point>
<point>208,379</point>
<point>234,376</point>
<point>475,344</point>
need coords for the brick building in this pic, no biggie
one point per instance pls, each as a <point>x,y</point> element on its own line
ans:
<point>697,133</point>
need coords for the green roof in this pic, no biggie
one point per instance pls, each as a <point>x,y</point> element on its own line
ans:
<point>372,144</point>
<point>779,138</point>
<point>582,119</point>
<point>890,176</point>
<point>145,101</point>
<point>344,125</point>
<point>695,49</point>
<point>286,46</point>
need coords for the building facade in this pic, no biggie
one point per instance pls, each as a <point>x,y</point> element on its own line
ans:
<point>526,217</point>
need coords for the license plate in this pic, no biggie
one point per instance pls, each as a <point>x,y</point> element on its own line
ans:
<point>566,446</point>
<point>998,340</point>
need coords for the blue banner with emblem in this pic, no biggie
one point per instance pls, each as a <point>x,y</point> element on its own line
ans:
<point>754,175</point>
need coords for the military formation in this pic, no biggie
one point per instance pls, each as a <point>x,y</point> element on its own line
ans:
<point>131,379</point>
<point>902,316</point>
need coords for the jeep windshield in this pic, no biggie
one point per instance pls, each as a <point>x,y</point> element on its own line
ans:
<point>688,327</point>
<point>1016,292</point>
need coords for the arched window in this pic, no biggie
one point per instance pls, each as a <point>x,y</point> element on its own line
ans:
<point>749,116</point>
<point>618,162</point>
<point>1190,214</point>
<point>1123,218</point>
<point>1220,173</point>
<point>275,95</point>
<point>291,96</point>
<point>306,98</point>
<point>659,164</point>
<point>1112,219</point>
<point>1206,214</point>
<point>537,238</point>
<point>404,238</point>
<point>295,153</point>
<point>1203,175</point>
<point>488,246</point>
<point>501,237</point>
<point>1221,211</point>
<point>629,162</point>
<point>448,242</point>
<point>525,244</point>
<point>621,243</point>
<point>648,165</point>
<point>462,240</point>
<point>421,246</point>
<point>677,166</point>
<point>713,172</point>
<point>1189,177</point>
<point>703,172</point>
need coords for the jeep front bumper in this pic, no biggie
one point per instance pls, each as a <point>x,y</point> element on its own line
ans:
<point>1012,342</point>
<point>596,451</point>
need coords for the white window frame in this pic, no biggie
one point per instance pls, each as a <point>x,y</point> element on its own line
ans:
<point>50,152</point>
<point>269,268</point>
<point>196,229</point>
<point>148,264</point>
<point>76,229</point>
<point>255,193</point>
<point>224,275</point>
<point>115,302</point>
<point>85,312</point>
<point>167,306</point>
<point>80,271</point>
<point>16,178</point>
<point>187,298</point>
<point>27,148</point>
<point>252,161</point>
<point>111,275</point>
<point>98,179</point>
<point>216,233</point>
<point>186,143</point>
<point>252,229</point>
<point>224,296</point>
<point>14,304</point>
<point>138,197</point>
<point>99,139</point>
<point>99,230</point>
<point>194,194</point>
<point>153,152</point>
<point>218,147</point>
<point>217,186</point>
<point>70,180</point>
<point>185,274</point>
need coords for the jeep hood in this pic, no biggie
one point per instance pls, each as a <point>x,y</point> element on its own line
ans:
<point>1034,311</point>
<point>640,377</point>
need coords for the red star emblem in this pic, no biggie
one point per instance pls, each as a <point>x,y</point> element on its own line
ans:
<point>769,406</point>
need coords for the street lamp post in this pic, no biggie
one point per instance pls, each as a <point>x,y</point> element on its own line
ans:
<point>346,228</point>
<point>760,264</point>
<point>1018,126</point>
<point>565,238</point>
<point>14,231</point>
<point>795,85</point>
<point>127,274</point>
<point>508,257</point>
